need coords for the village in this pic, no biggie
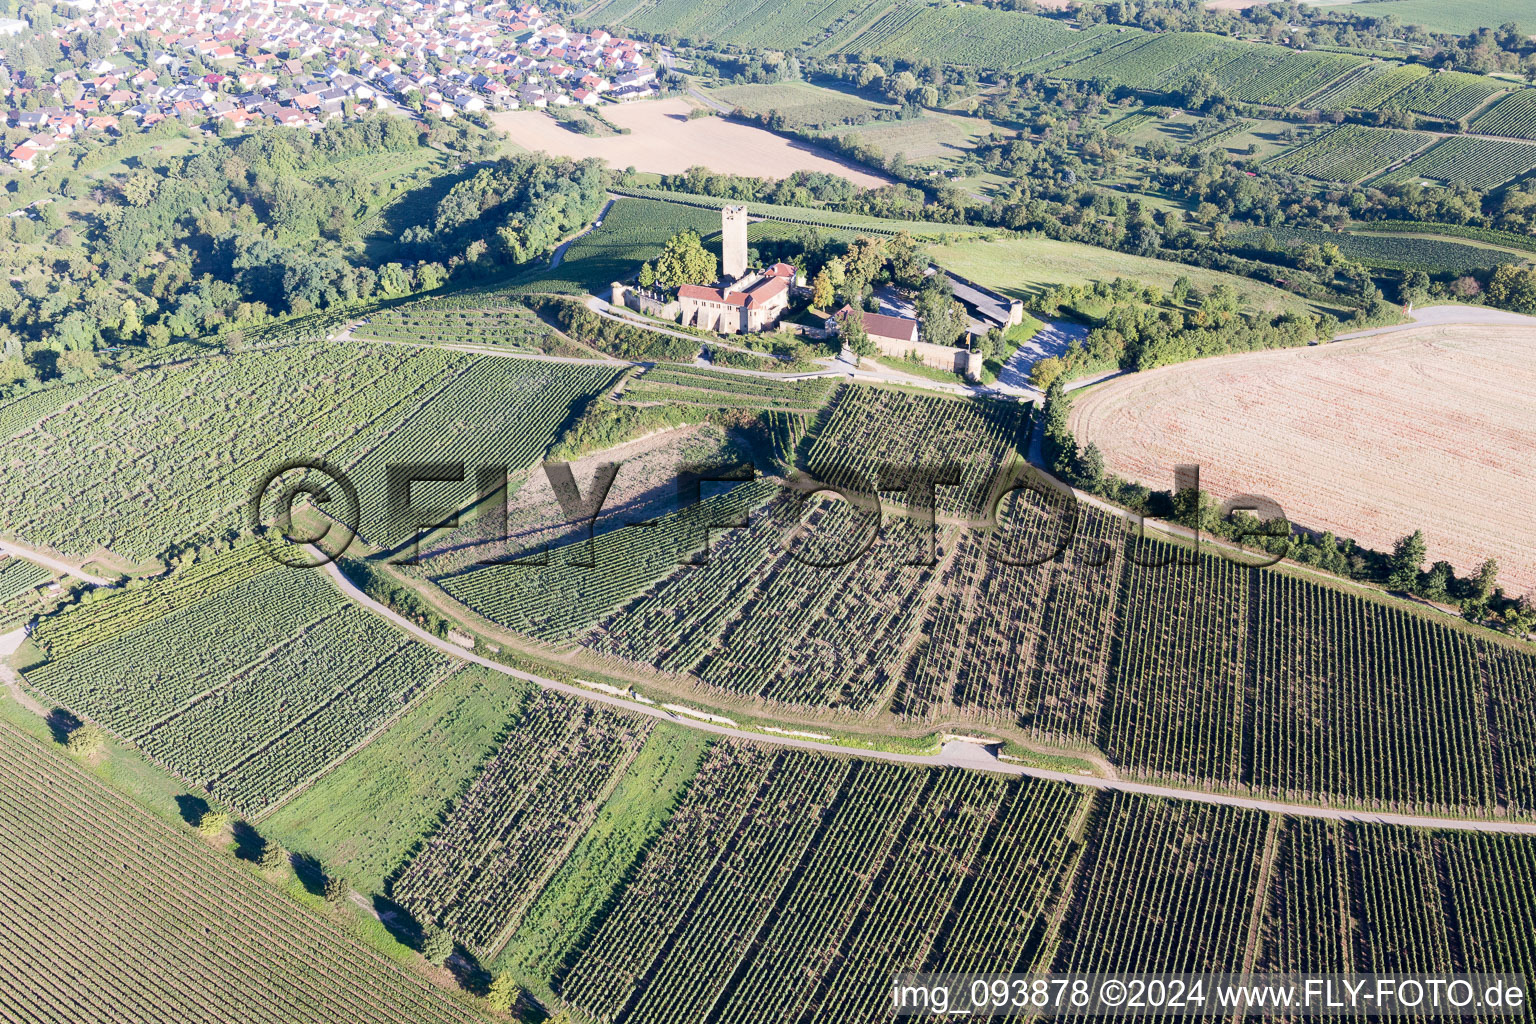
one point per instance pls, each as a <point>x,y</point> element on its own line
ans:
<point>244,64</point>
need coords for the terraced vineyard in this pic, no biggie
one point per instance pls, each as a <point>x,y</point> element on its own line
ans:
<point>109,915</point>
<point>248,680</point>
<point>448,322</point>
<point>1351,152</point>
<point>694,386</point>
<point>1514,116</point>
<point>1475,163</point>
<point>503,839</point>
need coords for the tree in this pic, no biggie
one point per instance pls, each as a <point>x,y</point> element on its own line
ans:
<point>822,294</point>
<point>272,856</point>
<point>436,945</point>
<point>1045,373</point>
<point>854,337</point>
<point>684,260</point>
<point>647,275</point>
<point>213,824</point>
<point>85,740</point>
<point>1408,562</point>
<point>336,889</point>
<point>1091,471</point>
<point>503,993</point>
<point>944,319</point>
<point>1487,580</point>
<point>1437,582</point>
<point>908,261</point>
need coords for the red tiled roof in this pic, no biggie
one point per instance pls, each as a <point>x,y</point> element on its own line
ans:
<point>882,326</point>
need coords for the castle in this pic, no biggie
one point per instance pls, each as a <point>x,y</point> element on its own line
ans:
<point>742,303</point>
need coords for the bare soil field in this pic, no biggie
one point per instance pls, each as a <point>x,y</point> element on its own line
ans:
<point>1430,428</point>
<point>662,139</point>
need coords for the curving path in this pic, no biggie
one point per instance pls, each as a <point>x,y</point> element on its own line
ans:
<point>955,754</point>
<point>49,562</point>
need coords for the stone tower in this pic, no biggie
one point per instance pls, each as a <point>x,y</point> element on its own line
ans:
<point>733,241</point>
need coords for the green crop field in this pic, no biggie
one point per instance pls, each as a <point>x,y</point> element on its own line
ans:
<point>1350,152</point>
<point>803,105</point>
<point>247,681</point>
<point>110,915</point>
<point>1475,163</point>
<point>1514,116</point>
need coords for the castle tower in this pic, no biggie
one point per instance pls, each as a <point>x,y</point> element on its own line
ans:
<point>733,241</point>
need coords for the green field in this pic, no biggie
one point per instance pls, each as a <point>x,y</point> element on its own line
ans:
<point>365,818</point>
<point>1024,267</point>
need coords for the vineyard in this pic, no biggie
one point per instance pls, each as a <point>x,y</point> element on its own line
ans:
<point>1350,152</point>
<point>1434,255</point>
<point>1027,643</point>
<point>171,452</point>
<point>1370,86</point>
<point>247,680</point>
<point>584,582</point>
<point>794,619</point>
<point>957,34</point>
<point>440,322</point>
<point>867,430</point>
<point>109,915</point>
<point>1514,116</point>
<point>831,220</point>
<point>503,839</point>
<point>694,386</point>
<point>20,599</point>
<point>634,230</point>
<point>775,860</point>
<point>1473,163</point>
<point>1449,95</point>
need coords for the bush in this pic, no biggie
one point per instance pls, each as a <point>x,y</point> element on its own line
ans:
<point>85,740</point>
<point>272,856</point>
<point>436,945</point>
<point>336,889</point>
<point>214,823</point>
<point>503,993</point>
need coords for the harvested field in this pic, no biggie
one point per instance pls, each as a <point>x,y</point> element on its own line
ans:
<point>1430,429</point>
<point>663,140</point>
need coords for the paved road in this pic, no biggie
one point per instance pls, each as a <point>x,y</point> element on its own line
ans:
<point>48,562</point>
<point>1450,316</point>
<point>955,754</point>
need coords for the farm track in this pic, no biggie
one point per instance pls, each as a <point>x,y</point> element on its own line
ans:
<point>956,754</point>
